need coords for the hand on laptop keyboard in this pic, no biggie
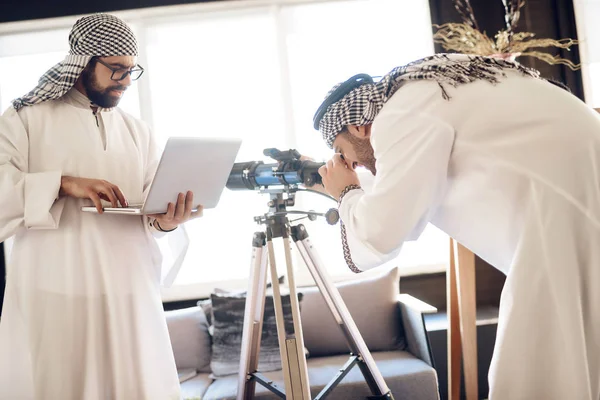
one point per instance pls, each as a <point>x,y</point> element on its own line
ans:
<point>93,189</point>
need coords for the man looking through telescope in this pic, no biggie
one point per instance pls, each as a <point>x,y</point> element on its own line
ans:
<point>505,163</point>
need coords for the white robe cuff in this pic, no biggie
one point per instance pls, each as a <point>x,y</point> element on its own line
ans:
<point>154,230</point>
<point>42,207</point>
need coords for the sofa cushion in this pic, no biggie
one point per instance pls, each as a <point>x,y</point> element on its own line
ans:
<point>228,323</point>
<point>188,330</point>
<point>206,304</point>
<point>194,389</point>
<point>407,377</point>
<point>373,304</point>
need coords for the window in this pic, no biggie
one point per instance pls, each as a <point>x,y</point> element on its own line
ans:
<point>257,72</point>
<point>593,89</point>
<point>323,49</point>
<point>588,33</point>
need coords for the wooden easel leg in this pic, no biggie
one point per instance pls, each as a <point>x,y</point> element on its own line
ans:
<point>465,273</point>
<point>454,343</point>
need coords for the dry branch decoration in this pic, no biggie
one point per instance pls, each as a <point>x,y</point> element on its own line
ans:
<point>467,38</point>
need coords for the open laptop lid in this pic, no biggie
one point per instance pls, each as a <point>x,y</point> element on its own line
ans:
<point>201,165</point>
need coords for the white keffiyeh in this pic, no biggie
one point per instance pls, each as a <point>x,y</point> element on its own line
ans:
<point>97,35</point>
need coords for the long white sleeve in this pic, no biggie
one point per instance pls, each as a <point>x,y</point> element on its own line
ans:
<point>151,164</point>
<point>412,152</point>
<point>27,199</point>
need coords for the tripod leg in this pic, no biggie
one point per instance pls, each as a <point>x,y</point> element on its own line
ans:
<point>296,342</point>
<point>253,318</point>
<point>287,347</point>
<point>338,308</point>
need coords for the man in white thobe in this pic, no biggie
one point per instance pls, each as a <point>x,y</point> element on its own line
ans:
<point>507,164</point>
<point>83,317</point>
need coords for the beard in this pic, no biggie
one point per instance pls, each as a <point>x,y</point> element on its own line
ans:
<point>97,95</point>
<point>364,152</point>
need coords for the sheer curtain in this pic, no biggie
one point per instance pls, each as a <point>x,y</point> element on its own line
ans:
<point>256,71</point>
<point>587,13</point>
<point>259,73</point>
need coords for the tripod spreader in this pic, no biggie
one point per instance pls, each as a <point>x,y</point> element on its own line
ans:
<point>276,219</point>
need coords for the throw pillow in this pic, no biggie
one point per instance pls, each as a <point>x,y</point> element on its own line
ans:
<point>228,322</point>
<point>206,304</point>
<point>188,331</point>
<point>372,301</point>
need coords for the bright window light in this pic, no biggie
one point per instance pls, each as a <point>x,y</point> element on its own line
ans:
<point>257,73</point>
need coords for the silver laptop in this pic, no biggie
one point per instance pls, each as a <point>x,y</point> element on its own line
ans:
<point>201,165</point>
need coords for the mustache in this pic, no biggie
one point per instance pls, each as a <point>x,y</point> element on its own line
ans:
<point>121,88</point>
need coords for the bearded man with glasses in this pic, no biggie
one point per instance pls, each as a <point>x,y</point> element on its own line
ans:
<point>83,317</point>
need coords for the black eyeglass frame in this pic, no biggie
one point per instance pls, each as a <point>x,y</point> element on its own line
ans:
<point>131,71</point>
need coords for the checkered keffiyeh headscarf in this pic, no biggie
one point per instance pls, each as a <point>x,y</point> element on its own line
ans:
<point>97,35</point>
<point>361,105</point>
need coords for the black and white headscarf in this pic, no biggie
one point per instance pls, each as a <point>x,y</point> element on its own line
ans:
<point>97,35</point>
<point>361,105</point>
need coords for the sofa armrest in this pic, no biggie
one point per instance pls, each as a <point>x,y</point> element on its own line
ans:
<point>417,340</point>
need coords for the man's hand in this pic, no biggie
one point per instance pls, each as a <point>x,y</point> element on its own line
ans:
<point>317,187</point>
<point>178,213</point>
<point>337,175</point>
<point>93,189</point>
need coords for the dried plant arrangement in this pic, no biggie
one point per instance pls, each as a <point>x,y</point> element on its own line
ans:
<point>467,38</point>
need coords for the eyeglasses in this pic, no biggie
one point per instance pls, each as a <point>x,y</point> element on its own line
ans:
<point>118,74</point>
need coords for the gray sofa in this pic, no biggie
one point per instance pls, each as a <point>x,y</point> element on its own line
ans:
<point>391,324</point>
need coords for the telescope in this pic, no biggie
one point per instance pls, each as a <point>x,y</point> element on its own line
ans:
<point>278,178</point>
<point>280,181</point>
<point>288,171</point>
